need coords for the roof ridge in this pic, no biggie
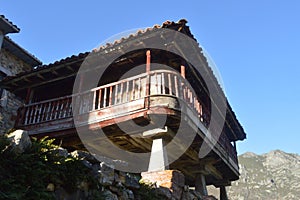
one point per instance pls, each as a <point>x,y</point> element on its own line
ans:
<point>165,24</point>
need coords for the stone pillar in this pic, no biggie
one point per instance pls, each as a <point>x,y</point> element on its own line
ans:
<point>158,158</point>
<point>223,193</point>
<point>200,184</point>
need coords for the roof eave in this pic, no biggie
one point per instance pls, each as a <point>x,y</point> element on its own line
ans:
<point>7,26</point>
<point>21,53</point>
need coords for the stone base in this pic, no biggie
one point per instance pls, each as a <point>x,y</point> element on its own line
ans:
<point>169,182</point>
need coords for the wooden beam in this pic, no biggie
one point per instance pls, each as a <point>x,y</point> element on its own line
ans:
<point>54,72</point>
<point>70,68</point>
<point>27,80</point>
<point>213,171</point>
<point>40,76</point>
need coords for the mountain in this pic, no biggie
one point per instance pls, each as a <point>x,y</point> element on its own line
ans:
<point>274,175</point>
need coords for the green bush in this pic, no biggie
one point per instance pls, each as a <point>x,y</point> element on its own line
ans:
<point>27,175</point>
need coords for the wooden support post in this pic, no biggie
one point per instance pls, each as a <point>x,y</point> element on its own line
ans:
<point>182,71</point>
<point>200,184</point>
<point>148,61</point>
<point>223,193</point>
<point>29,96</point>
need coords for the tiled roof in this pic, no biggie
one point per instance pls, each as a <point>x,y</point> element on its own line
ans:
<point>7,26</point>
<point>181,24</point>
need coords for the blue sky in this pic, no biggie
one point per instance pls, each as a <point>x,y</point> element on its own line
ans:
<point>255,45</point>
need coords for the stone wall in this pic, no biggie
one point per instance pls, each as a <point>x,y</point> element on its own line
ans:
<point>78,175</point>
<point>9,103</point>
<point>12,63</point>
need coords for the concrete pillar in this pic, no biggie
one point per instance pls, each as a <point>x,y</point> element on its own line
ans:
<point>159,157</point>
<point>223,193</point>
<point>200,184</point>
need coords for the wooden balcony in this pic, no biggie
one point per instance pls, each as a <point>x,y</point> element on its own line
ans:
<point>157,92</point>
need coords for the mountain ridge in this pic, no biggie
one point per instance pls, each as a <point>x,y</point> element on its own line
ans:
<point>272,175</point>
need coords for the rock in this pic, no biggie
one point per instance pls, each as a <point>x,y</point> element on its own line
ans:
<point>131,181</point>
<point>176,191</point>
<point>107,175</point>
<point>84,155</point>
<point>130,194</point>
<point>188,196</point>
<point>170,180</point>
<point>196,194</point>
<point>20,141</point>
<point>164,178</point>
<point>87,164</point>
<point>108,195</point>
<point>123,195</point>
<point>60,152</point>
<point>116,190</point>
<point>209,197</point>
<point>50,187</point>
<point>165,192</point>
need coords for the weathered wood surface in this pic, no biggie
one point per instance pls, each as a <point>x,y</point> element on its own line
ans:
<point>119,102</point>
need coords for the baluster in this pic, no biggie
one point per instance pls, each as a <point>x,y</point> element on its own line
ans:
<point>163,83</point>
<point>180,87</point>
<point>94,107</point>
<point>170,84</point>
<point>27,115</point>
<point>121,93</point>
<point>57,110</point>
<point>133,90</point>
<point>110,95</point>
<point>116,93</point>
<point>65,106</point>
<point>90,101</point>
<point>34,114</point>
<point>176,86</point>
<point>48,114</point>
<point>69,107</point>
<point>44,110</point>
<point>61,109</point>
<point>139,88</point>
<point>127,92</point>
<point>100,98</point>
<point>104,99</point>
<point>183,90</point>
<point>156,83</point>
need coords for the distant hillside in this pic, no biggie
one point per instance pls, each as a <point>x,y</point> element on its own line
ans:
<point>275,175</point>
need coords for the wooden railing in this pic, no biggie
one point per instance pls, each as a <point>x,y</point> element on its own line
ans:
<point>158,82</point>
